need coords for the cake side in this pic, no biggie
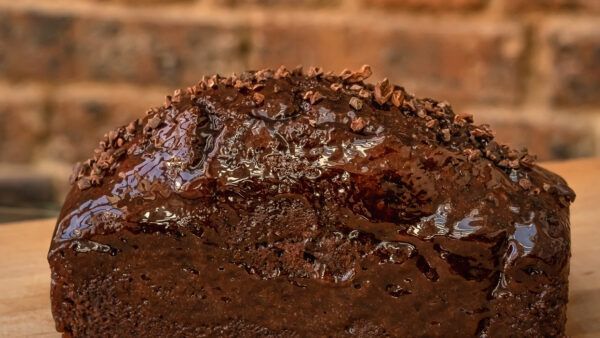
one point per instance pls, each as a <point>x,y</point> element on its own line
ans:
<point>292,203</point>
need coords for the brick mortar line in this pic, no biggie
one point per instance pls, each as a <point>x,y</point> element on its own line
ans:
<point>531,83</point>
<point>530,112</point>
<point>47,89</point>
<point>169,14</point>
<point>596,128</point>
<point>222,14</point>
<point>537,82</point>
<point>256,19</point>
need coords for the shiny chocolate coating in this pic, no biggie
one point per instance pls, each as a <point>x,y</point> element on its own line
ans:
<point>307,204</point>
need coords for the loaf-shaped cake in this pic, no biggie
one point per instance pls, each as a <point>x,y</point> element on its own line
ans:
<point>307,204</point>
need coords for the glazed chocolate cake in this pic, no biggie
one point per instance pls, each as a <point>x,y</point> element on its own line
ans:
<point>303,204</point>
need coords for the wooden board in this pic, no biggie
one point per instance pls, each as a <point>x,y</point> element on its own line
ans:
<point>25,276</point>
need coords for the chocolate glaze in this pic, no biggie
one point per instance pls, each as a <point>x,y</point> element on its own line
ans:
<point>291,204</point>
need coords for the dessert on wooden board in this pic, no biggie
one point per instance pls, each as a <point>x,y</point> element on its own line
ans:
<point>303,203</point>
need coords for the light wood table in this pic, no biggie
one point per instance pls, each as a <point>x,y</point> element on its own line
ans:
<point>25,276</point>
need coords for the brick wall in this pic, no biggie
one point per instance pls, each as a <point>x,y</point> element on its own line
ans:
<point>71,69</point>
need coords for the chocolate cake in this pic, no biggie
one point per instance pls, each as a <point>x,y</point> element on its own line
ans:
<point>303,204</point>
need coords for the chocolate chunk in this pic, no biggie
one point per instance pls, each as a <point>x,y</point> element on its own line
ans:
<point>212,82</point>
<point>383,91</point>
<point>258,98</point>
<point>353,77</point>
<point>473,154</point>
<point>316,97</point>
<point>153,122</point>
<point>281,73</point>
<point>336,86</point>
<point>397,98</point>
<point>463,119</point>
<point>264,75</point>
<point>297,71</point>
<point>247,77</point>
<point>503,163</point>
<point>307,95</point>
<point>314,72</point>
<point>75,173</point>
<point>84,183</point>
<point>239,84</point>
<point>358,124</point>
<point>167,102</point>
<point>525,183</point>
<point>176,96</point>
<point>482,131</point>
<point>112,136</point>
<point>356,103</point>
<point>365,94</point>
<point>446,135</point>
<point>409,104</point>
<point>431,123</point>
<point>528,160</point>
<point>131,127</point>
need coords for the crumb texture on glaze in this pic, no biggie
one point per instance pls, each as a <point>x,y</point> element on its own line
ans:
<point>323,189</point>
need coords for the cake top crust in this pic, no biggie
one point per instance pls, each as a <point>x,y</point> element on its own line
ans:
<point>305,162</point>
<point>322,100</point>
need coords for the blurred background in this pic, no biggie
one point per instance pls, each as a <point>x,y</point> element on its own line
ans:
<point>71,70</point>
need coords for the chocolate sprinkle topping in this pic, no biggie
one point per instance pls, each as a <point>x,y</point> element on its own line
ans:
<point>458,130</point>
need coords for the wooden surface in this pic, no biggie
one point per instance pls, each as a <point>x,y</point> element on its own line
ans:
<point>25,276</point>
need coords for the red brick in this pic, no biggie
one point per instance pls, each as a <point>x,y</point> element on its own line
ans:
<point>141,2</point>
<point>171,53</point>
<point>35,44</point>
<point>81,114</point>
<point>451,60</point>
<point>519,5</point>
<point>550,136</point>
<point>278,3</point>
<point>146,47</point>
<point>427,4</point>
<point>574,70</point>
<point>22,112</point>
